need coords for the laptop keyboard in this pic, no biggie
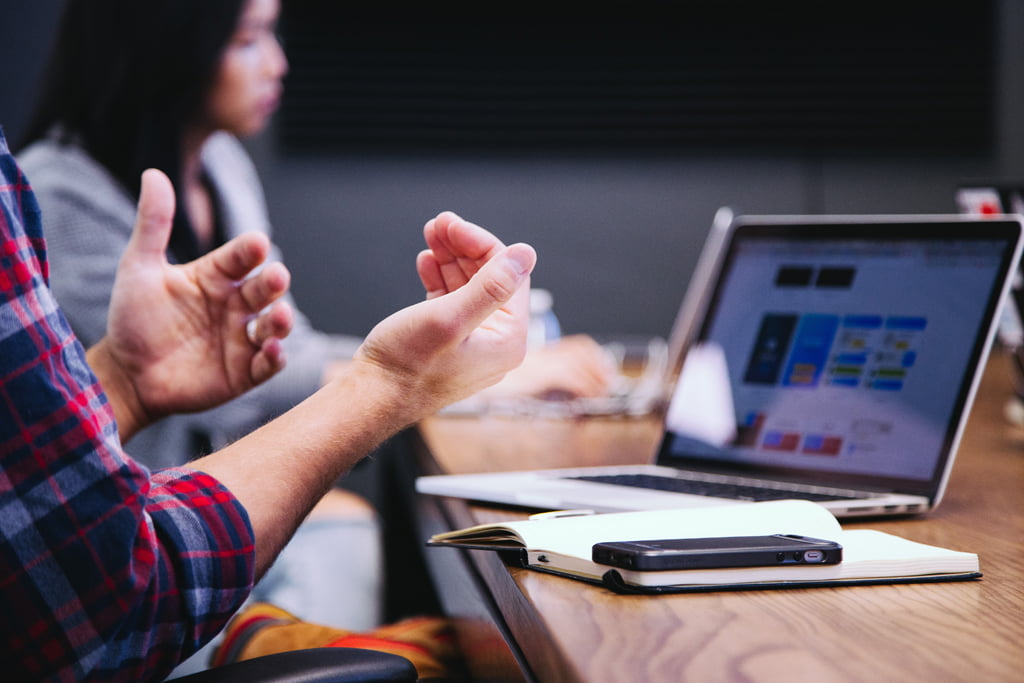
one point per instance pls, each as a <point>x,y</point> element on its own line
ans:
<point>711,488</point>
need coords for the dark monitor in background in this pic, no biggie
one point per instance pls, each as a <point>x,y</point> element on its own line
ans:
<point>992,198</point>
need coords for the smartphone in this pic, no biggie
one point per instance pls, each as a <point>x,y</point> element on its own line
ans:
<point>718,552</point>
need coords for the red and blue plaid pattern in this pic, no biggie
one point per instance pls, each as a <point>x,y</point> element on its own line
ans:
<point>106,571</point>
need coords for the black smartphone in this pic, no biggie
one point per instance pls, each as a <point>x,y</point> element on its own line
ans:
<point>718,552</point>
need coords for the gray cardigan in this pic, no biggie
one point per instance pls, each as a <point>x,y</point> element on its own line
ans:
<point>88,218</point>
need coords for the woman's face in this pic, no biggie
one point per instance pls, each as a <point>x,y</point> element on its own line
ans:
<point>247,89</point>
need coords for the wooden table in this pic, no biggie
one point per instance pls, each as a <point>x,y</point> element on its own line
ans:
<point>517,624</point>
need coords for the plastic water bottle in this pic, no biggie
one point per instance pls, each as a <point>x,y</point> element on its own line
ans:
<point>544,326</point>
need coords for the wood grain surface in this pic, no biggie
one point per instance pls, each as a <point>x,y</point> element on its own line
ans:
<point>565,630</point>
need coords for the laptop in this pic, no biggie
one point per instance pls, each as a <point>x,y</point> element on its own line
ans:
<point>832,359</point>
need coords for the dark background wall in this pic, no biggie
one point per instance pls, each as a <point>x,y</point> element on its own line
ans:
<point>617,217</point>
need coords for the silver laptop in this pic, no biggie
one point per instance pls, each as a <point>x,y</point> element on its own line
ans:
<point>827,358</point>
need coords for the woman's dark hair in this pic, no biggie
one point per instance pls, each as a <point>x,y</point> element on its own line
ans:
<point>126,77</point>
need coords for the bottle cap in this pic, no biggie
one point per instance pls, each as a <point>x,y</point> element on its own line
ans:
<point>541,301</point>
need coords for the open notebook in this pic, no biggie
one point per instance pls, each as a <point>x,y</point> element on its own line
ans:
<point>831,359</point>
<point>564,545</point>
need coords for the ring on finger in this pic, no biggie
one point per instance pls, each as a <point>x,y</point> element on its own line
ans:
<point>250,333</point>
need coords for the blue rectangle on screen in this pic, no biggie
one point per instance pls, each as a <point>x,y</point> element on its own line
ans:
<point>811,346</point>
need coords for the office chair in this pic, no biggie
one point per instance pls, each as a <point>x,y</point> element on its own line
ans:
<point>317,665</point>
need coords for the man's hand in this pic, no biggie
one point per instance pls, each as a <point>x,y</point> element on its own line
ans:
<point>572,367</point>
<point>472,328</point>
<point>185,338</point>
<point>576,366</point>
<point>456,251</point>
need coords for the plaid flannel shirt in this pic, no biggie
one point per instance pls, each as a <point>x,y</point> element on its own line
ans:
<point>107,572</point>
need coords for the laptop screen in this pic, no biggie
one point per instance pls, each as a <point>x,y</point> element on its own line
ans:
<point>840,353</point>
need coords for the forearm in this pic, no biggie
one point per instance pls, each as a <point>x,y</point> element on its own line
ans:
<point>281,470</point>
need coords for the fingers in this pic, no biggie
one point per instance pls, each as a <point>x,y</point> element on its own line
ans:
<point>587,378</point>
<point>154,218</point>
<point>585,368</point>
<point>459,249</point>
<point>266,286</point>
<point>239,257</point>
<point>432,233</point>
<point>574,367</point>
<point>265,332</point>
<point>274,322</point>
<point>495,286</point>
<point>268,361</point>
<point>430,274</point>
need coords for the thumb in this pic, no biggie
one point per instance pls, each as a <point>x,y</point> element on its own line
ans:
<point>154,217</point>
<point>495,285</point>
